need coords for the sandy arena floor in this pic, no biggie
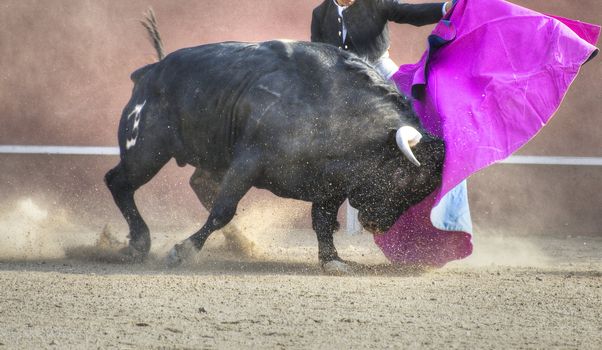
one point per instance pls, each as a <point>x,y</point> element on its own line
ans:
<point>539,293</point>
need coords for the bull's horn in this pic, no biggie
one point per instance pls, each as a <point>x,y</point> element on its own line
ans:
<point>408,137</point>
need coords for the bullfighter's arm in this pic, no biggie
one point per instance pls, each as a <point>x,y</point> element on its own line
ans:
<point>414,14</point>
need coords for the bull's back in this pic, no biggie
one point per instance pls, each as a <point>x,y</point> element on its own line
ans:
<point>225,94</point>
<point>229,96</point>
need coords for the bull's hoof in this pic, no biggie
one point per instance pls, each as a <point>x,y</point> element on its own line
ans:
<point>337,268</point>
<point>181,253</point>
<point>130,254</point>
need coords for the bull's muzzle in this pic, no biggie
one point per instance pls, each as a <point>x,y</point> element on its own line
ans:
<point>408,137</point>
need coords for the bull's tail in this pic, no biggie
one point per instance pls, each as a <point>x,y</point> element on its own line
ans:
<point>150,23</point>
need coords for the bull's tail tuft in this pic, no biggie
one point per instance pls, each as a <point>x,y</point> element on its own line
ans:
<point>150,23</point>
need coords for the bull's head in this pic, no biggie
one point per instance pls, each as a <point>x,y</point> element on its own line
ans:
<point>393,184</point>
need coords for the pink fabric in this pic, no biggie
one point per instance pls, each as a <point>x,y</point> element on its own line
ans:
<point>493,76</point>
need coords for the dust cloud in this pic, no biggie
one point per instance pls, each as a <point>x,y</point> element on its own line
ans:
<point>498,249</point>
<point>262,232</point>
<point>33,230</point>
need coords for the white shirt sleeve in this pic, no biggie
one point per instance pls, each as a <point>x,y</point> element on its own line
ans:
<point>443,9</point>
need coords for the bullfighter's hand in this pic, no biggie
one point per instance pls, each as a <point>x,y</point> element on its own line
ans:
<point>448,6</point>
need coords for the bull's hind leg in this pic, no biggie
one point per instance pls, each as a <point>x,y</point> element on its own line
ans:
<point>205,187</point>
<point>144,139</point>
<point>123,183</point>
<point>123,194</point>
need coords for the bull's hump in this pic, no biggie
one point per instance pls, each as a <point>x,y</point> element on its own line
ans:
<point>283,48</point>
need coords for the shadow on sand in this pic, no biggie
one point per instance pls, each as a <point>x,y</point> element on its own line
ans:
<point>96,260</point>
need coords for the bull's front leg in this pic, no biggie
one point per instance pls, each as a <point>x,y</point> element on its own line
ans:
<point>206,186</point>
<point>324,222</point>
<point>236,183</point>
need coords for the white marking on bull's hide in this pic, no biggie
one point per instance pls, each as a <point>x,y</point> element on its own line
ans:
<point>275,97</point>
<point>267,89</point>
<point>137,113</point>
<point>129,143</point>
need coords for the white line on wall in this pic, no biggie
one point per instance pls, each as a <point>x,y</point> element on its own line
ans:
<point>541,160</point>
<point>114,151</point>
<point>63,150</point>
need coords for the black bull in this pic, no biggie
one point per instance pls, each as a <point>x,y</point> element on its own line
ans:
<point>302,120</point>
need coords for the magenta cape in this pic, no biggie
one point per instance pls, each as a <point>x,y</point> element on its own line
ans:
<point>492,77</point>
